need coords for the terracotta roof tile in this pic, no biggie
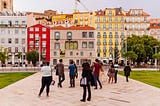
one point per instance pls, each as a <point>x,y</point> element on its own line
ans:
<point>73,28</point>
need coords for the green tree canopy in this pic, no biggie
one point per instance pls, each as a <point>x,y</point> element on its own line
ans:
<point>33,56</point>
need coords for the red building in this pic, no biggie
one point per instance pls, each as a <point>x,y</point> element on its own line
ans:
<point>39,36</point>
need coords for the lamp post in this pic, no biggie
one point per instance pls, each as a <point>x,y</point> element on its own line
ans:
<point>39,51</point>
<point>155,53</point>
<point>126,49</point>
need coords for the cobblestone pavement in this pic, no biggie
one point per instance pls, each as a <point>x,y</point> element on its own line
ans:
<point>132,93</point>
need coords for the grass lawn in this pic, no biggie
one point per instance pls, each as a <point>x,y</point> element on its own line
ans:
<point>148,77</point>
<point>9,78</point>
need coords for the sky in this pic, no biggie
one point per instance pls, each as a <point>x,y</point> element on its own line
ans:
<point>67,6</point>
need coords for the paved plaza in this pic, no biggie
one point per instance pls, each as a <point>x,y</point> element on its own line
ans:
<point>132,93</point>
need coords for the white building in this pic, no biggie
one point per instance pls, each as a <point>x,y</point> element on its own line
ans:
<point>13,34</point>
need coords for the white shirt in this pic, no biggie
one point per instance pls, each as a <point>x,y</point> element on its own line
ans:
<point>46,71</point>
<point>116,66</point>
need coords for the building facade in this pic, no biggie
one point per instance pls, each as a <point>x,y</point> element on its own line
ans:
<point>72,43</point>
<point>6,5</point>
<point>13,35</point>
<point>38,38</point>
<point>137,22</point>
<point>155,28</point>
<point>109,24</point>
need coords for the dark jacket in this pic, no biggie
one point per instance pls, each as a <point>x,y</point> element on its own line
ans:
<point>86,72</point>
<point>127,70</point>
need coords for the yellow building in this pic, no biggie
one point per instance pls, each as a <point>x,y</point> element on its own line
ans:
<point>83,19</point>
<point>109,24</point>
<point>65,20</point>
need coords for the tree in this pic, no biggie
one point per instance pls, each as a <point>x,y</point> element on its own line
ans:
<point>33,56</point>
<point>130,55</point>
<point>143,46</point>
<point>3,56</point>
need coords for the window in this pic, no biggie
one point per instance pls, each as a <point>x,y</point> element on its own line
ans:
<point>104,19</point>
<point>16,40</point>
<point>9,50</point>
<point>98,26</point>
<point>98,19</point>
<point>9,40</point>
<point>31,36</point>
<point>84,34</point>
<point>55,53</point>
<point>110,26</point>
<point>84,44</point>
<point>71,45</point>
<point>91,44</point>
<point>23,41</point>
<point>104,49</point>
<point>98,49</point>
<point>71,53</point>
<point>104,42</point>
<point>31,29</point>
<point>23,31</point>
<point>2,40</point>
<point>116,42</point>
<point>69,35</point>
<point>110,34</point>
<point>43,35</point>
<point>104,35</point>
<point>98,35</point>
<point>54,61</point>
<point>16,49</point>
<point>23,22</point>
<point>16,22</point>
<point>43,43</point>
<point>98,42</point>
<point>43,29</point>
<point>57,35</point>
<point>91,35</point>
<point>116,34</point>
<point>104,26</point>
<point>57,46</point>
<point>82,53</point>
<point>36,29</point>
<point>110,42</point>
<point>16,31</point>
<point>10,23</point>
<point>31,43</point>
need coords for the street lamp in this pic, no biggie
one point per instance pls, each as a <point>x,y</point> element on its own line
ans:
<point>155,53</point>
<point>39,51</point>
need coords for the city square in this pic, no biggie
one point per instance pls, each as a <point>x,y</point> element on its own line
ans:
<point>25,93</point>
<point>95,37</point>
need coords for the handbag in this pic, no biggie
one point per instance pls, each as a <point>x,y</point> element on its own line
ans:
<point>53,82</point>
<point>83,81</point>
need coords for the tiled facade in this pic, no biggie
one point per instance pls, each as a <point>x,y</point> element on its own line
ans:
<point>39,40</point>
<point>72,43</point>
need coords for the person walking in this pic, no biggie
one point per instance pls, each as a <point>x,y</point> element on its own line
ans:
<point>60,68</point>
<point>97,68</point>
<point>46,78</point>
<point>111,73</point>
<point>127,70</point>
<point>72,72</point>
<point>116,71</point>
<point>86,73</point>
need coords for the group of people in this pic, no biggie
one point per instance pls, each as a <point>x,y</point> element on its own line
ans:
<point>113,70</point>
<point>90,72</point>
